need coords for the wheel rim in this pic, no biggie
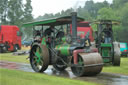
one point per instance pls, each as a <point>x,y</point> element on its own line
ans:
<point>79,69</point>
<point>36,58</point>
<point>59,65</point>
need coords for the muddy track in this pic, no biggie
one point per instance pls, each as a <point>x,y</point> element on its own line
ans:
<point>102,78</point>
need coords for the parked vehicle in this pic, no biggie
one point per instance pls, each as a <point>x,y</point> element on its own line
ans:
<point>10,38</point>
<point>83,28</point>
<point>26,43</point>
<point>124,49</point>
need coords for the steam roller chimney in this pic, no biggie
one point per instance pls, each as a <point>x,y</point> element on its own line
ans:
<point>74,26</point>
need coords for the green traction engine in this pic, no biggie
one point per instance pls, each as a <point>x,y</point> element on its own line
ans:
<point>54,45</point>
<point>109,50</point>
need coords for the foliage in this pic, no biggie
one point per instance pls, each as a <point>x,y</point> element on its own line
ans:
<point>106,13</point>
<point>118,3</point>
<point>3,11</point>
<point>124,15</point>
<point>28,11</point>
<point>15,12</point>
<point>27,17</point>
<point>102,10</point>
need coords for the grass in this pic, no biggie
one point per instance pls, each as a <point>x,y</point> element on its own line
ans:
<point>15,77</point>
<point>122,69</point>
<point>14,58</point>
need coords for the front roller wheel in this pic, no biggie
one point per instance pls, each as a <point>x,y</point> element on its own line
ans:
<point>39,58</point>
<point>89,64</point>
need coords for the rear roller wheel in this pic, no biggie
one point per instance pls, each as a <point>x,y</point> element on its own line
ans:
<point>78,70</point>
<point>39,58</point>
<point>116,60</point>
<point>117,54</point>
<point>88,64</point>
<point>59,65</point>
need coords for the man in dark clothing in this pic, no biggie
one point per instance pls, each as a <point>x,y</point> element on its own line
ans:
<point>49,30</point>
<point>38,33</point>
<point>49,35</point>
<point>108,34</point>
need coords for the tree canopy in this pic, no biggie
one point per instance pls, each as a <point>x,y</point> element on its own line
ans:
<point>15,12</point>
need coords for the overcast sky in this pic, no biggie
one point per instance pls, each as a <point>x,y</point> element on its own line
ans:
<point>40,7</point>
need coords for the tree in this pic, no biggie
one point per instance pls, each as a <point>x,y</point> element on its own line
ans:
<point>15,12</point>
<point>57,14</point>
<point>106,13</point>
<point>124,20</point>
<point>48,16</point>
<point>3,11</point>
<point>93,8</point>
<point>119,3</point>
<point>124,15</point>
<point>27,17</point>
<point>28,11</point>
<point>90,7</point>
<point>84,14</point>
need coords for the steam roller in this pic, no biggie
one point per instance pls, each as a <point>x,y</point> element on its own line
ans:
<point>64,50</point>
<point>107,46</point>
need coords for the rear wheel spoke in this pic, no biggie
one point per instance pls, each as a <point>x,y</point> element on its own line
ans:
<point>41,62</point>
